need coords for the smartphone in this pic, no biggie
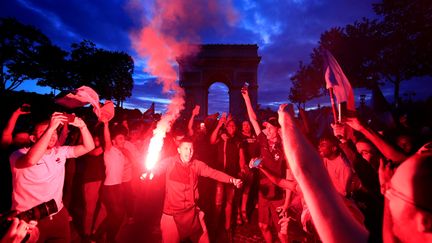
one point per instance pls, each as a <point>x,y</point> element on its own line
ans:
<point>257,162</point>
<point>70,117</point>
<point>202,126</point>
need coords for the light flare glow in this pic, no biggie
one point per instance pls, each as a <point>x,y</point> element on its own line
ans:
<point>168,35</point>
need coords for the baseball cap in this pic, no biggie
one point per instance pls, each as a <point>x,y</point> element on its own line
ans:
<point>272,121</point>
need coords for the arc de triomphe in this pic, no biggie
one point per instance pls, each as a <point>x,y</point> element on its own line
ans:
<point>232,65</point>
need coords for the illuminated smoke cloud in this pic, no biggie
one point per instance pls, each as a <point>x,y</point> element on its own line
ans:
<point>167,34</point>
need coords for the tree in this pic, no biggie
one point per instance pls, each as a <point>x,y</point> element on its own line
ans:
<point>395,48</point>
<point>19,46</point>
<point>54,68</point>
<point>308,83</point>
<point>407,31</point>
<point>110,73</point>
<point>356,47</point>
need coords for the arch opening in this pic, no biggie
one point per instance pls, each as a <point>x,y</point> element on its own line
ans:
<point>218,98</point>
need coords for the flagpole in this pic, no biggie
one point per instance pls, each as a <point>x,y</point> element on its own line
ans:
<point>333,104</point>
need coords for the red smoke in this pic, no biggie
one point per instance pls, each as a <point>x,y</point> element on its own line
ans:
<point>175,24</point>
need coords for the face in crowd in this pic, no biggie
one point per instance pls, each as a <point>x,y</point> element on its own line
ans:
<point>366,150</point>
<point>410,199</point>
<point>39,130</point>
<point>405,143</point>
<point>119,140</point>
<point>185,150</point>
<point>231,127</point>
<point>272,128</point>
<point>327,149</point>
<point>246,127</point>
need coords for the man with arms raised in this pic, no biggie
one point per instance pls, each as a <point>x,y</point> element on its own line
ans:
<point>181,218</point>
<point>38,173</point>
<point>408,206</point>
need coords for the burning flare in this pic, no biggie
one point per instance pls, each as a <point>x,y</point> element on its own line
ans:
<point>174,25</point>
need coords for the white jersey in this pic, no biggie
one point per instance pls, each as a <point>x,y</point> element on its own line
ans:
<point>41,182</point>
<point>114,166</point>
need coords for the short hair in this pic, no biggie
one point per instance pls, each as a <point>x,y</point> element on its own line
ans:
<point>40,123</point>
<point>185,140</point>
<point>330,138</point>
<point>118,130</point>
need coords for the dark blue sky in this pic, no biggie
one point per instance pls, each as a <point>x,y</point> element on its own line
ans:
<point>286,31</point>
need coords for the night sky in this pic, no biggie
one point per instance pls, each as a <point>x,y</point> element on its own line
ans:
<point>285,31</point>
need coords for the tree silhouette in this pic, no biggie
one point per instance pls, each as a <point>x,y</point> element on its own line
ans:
<point>110,73</point>
<point>392,49</point>
<point>54,68</point>
<point>407,31</point>
<point>307,84</point>
<point>19,47</point>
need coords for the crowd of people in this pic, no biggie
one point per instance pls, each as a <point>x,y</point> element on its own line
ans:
<point>352,184</point>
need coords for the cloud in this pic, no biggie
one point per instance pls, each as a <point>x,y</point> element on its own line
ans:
<point>285,31</point>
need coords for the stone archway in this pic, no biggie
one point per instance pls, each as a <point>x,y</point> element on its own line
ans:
<point>232,65</point>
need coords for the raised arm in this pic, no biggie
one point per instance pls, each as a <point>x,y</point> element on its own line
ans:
<point>331,217</point>
<point>7,136</point>
<point>389,151</point>
<point>107,136</point>
<point>195,113</point>
<point>214,135</point>
<point>40,146</point>
<point>206,171</point>
<point>87,139</point>
<point>280,182</point>
<point>365,172</point>
<point>288,192</point>
<point>251,113</point>
<point>63,135</point>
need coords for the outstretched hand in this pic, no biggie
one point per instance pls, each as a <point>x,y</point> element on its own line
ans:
<point>284,115</point>
<point>24,109</point>
<point>354,123</point>
<point>57,119</point>
<point>338,130</point>
<point>223,119</point>
<point>245,93</point>
<point>196,110</point>
<point>18,230</point>
<point>236,182</point>
<point>78,122</point>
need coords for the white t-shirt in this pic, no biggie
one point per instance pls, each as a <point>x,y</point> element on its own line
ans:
<point>114,165</point>
<point>41,182</point>
<point>130,166</point>
<point>340,173</point>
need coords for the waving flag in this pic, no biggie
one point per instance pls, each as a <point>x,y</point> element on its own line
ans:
<point>80,97</point>
<point>150,111</point>
<point>336,79</point>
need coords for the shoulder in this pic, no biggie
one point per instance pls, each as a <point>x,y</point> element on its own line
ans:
<point>62,149</point>
<point>18,153</point>
<point>112,154</point>
<point>198,163</point>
